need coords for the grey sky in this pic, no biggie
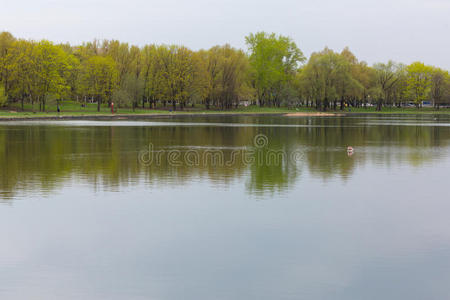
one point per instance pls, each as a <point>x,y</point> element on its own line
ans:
<point>375,30</point>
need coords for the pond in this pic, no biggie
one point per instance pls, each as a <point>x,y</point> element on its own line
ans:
<point>229,207</point>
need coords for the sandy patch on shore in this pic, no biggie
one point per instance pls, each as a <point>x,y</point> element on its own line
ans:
<point>308,114</point>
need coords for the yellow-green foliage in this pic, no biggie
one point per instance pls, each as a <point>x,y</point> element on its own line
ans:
<point>418,81</point>
<point>3,96</point>
<point>271,74</point>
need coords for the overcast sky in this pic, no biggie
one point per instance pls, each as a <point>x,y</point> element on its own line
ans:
<point>375,30</point>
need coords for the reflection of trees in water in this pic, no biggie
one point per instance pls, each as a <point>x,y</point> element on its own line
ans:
<point>42,158</point>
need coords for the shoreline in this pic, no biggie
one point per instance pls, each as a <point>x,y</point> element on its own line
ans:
<point>118,117</point>
<point>315,114</point>
<point>127,116</point>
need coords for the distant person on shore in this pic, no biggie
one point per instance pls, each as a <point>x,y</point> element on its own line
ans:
<point>58,108</point>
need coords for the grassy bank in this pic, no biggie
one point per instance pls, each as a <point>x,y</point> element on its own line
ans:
<point>73,109</point>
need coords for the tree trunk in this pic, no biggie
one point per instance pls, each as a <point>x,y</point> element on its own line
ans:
<point>325,104</point>
<point>318,105</point>
<point>379,104</point>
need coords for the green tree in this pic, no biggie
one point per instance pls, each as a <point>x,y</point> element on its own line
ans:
<point>151,73</point>
<point>439,86</point>
<point>177,74</point>
<point>120,53</point>
<point>6,41</point>
<point>274,60</point>
<point>133,86</point>
<point>355,79</point>
<point>386,77</point>
<point>419,80</point>
<point>323,75</point>
<point>227,71</point>
<point>51,68</point>
<point>21,70</point>
<point>99,78</point>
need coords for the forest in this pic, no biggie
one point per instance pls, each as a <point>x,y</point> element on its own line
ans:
<point>271,72</point>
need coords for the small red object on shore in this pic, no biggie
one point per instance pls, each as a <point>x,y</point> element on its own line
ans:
<point>112,107</point>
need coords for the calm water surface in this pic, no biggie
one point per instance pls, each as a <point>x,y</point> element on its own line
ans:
<point>85,214</point>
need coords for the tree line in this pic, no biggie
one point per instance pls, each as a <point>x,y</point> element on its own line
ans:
<point>273,72</point>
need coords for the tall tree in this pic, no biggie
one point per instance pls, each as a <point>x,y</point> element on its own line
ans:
<point>99,78</point>
<point>6,42</point>
<point>177,73</point>
<point>274,59</point>
<point>386,78</point>
<point>151,74</point>
<point>22,70</point>
<point>324,74</point>
<point>51,67</point>
<point>440,86</point>
<point>228,75</point>
<point>419,79</point>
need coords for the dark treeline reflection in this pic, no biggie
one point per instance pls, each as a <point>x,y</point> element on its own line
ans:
<point>42,158</point>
